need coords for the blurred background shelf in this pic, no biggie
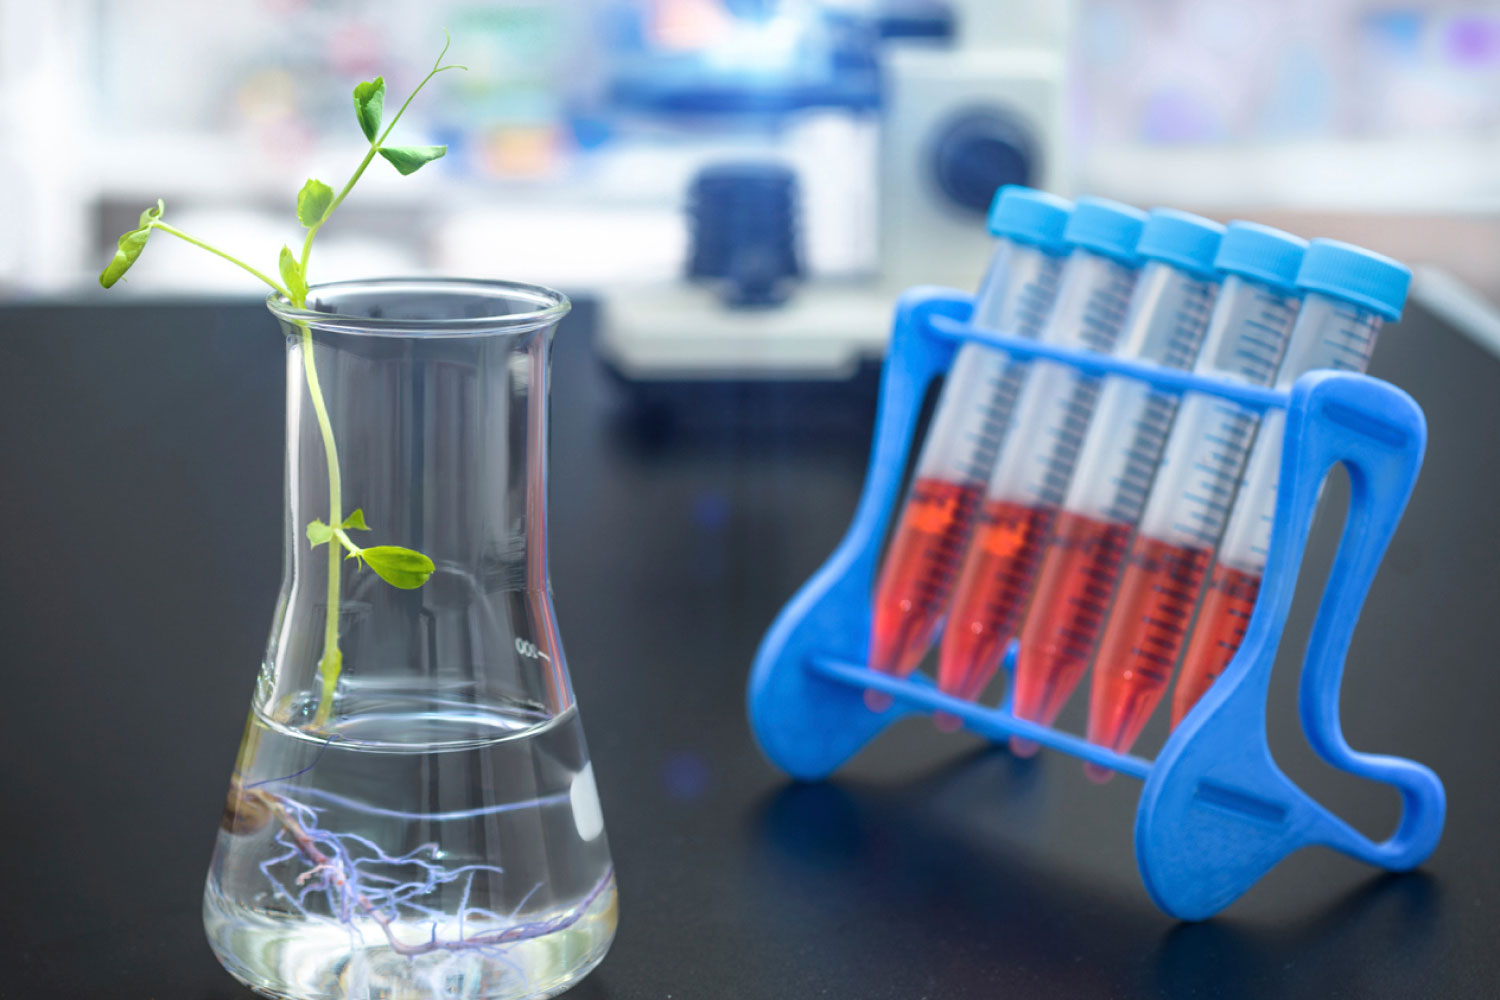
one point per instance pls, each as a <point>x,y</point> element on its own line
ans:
<point>577,135</point>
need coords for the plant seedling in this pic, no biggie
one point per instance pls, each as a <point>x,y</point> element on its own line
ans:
<point>316,203</point>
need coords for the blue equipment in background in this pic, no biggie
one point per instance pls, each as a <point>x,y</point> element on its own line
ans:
<point>743,226</point>
<point>830,60</point>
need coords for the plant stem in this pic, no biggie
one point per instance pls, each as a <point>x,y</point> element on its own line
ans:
<point>332,661</point>
<point>313,229</point>
<point>342,537</point>
<point>365,163</point>
<point>220,253</point>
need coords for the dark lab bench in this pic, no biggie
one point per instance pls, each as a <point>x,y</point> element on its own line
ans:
<point>140,527</point>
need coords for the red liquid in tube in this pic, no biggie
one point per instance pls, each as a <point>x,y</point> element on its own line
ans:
<point>1216,636</point>
<point>991,594</point>
<point>1152,616</point>
<point>1068,611</point>
<point>920,566</point>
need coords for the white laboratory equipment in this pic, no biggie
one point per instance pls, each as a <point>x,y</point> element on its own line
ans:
<point>957,117</point>
<point>960,119</point>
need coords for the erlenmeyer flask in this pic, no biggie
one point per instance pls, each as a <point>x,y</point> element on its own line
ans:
<point>413,811</point>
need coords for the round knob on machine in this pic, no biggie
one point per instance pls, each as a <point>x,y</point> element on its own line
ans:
<point>975,152</point>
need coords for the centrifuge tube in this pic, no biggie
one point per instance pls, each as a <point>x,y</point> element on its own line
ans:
<point>1081,558</point>
<point>1051,415</point>
<point>1200,466</point>
<point>965,433</point>
<point>1350,293</point>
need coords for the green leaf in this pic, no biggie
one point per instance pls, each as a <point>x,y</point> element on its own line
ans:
<point>130,245</point>
<point>313,202</point>
<point>409,159</point>
<point>319,533</point>
<point>399,567</point>
<point>291,276</point>
<point>356,521</point>
<point>369,105</point>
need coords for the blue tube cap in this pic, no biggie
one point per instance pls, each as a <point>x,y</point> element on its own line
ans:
<point>1106,227</point>
<point>1182,239</point>
<point>1030,216</point>
<point>1357,275</point>
<point>1252,250</point>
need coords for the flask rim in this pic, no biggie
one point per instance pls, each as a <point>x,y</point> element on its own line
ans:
<point>500,307</point>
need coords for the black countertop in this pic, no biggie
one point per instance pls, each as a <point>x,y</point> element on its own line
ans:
<point>141,521</point>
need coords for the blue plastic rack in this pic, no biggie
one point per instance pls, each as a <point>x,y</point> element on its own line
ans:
<point>1216,813</point>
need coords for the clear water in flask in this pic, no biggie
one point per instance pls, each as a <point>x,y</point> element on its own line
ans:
<point>440,854</point>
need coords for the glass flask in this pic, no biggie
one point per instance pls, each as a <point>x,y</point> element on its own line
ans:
<point>413,812</point>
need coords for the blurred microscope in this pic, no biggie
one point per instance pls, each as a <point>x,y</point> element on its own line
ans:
<point>850,151</point>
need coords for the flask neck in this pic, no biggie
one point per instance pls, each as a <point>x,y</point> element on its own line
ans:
<point>440,444</point>
<point>414,451</point>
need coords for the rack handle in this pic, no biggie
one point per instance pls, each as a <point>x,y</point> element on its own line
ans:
<point>1216,812</point>
<point>1379,433</point>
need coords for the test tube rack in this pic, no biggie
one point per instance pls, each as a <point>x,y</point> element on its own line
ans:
<point>1215,813</point>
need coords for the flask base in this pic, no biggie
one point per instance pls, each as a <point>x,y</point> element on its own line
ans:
<point>296,958</point>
